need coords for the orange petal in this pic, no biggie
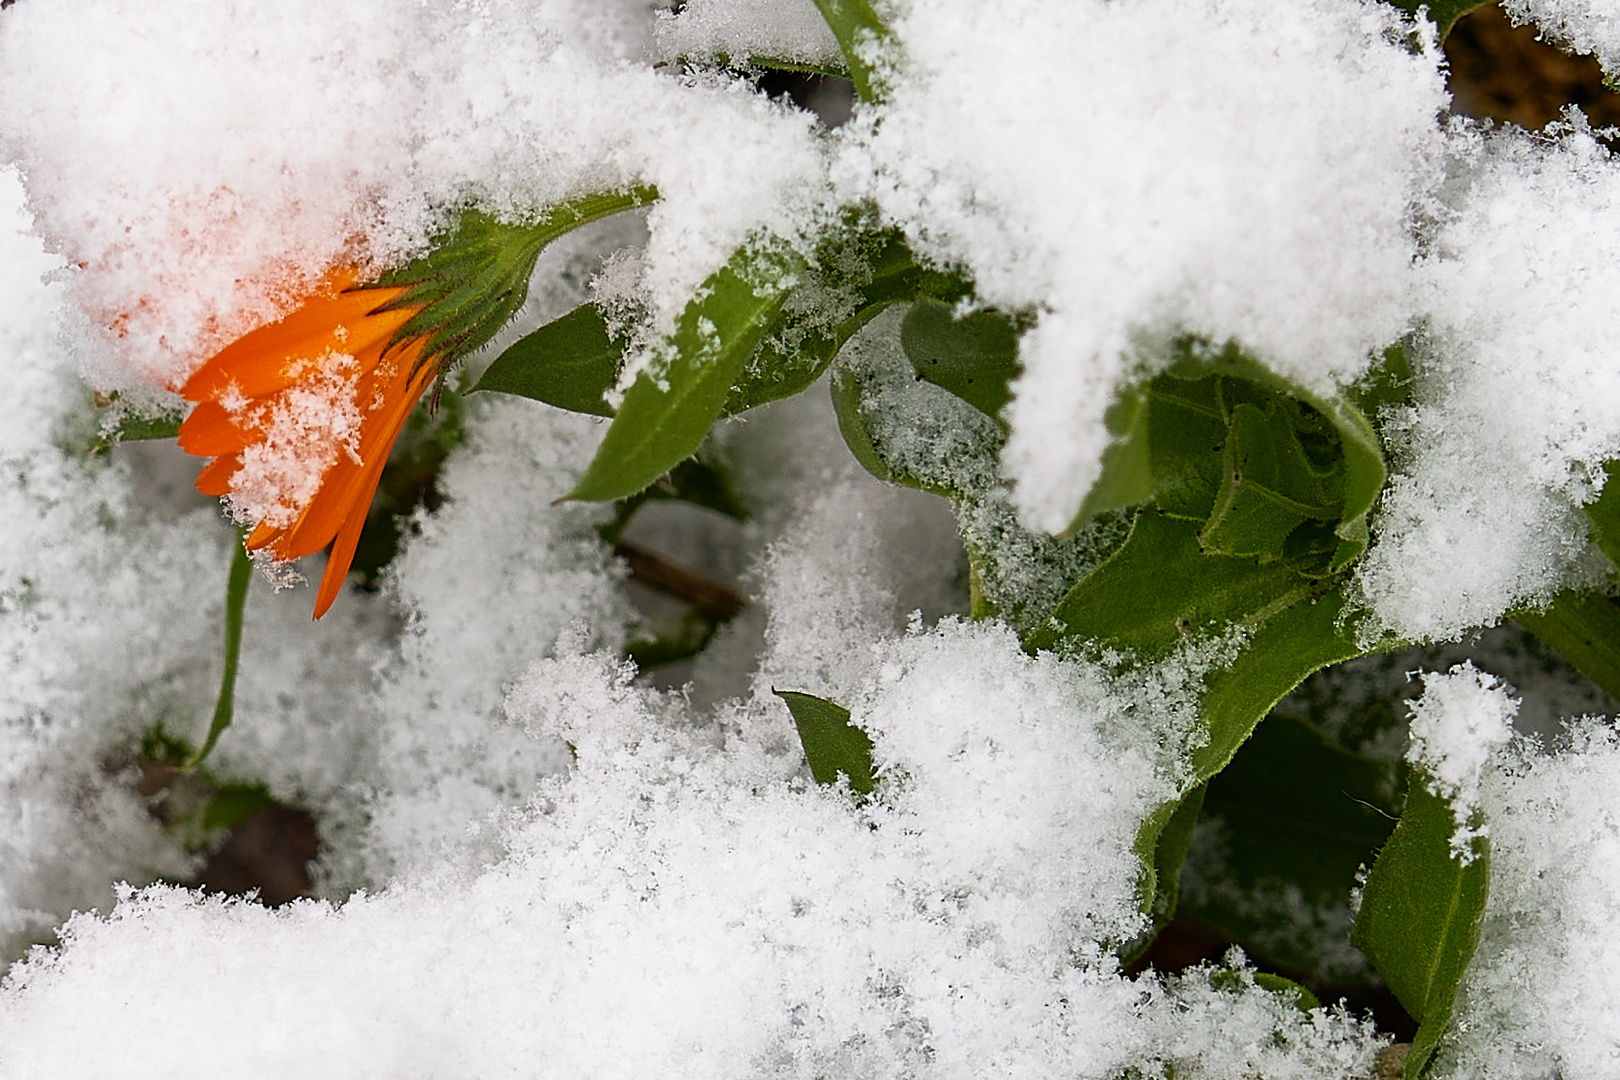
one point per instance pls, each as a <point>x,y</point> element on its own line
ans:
<point>341,556</point>
<point>215,479</point>
<point>261,535</point>
<point>210,431</point>
<point>265,361</point>
<point>348,487</point>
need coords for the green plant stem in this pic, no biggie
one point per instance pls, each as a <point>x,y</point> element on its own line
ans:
<point>236,591</point>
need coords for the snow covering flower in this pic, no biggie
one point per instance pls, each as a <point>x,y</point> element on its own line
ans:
<point>300,415</point>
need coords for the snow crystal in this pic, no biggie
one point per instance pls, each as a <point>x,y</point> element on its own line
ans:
<point>1230,168</point>
<point>1540,996</point>
<point>739,30</point>
<point>1516,390</point>
<point>1587,26</point>
<point>675,907</point>
<point>1463,718</point>
<point>71,602</point>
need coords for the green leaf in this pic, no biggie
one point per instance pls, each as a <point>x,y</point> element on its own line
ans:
<point>236,590</point>
<point>1270,486</point>
<point>845,387</point>
<point>1300,815</point>
<point>974,357</point>
<point>860,34</point>
<point>1584,628</point>
<point>667,414</point>
<point>1161,846</point>
<point>1160,589</point>
<point>1420,915</point>
<point>1387,385</point>
<point>794,350</point>
<point>1127,464</point>
<point>1288,988</point>
<point>682,641</point>
<point>1604,515</point>
<point>832,745</point>
<point>477,275</point>
<point>792,354</point>
<point>1442,13</point>
<point>1363,459</point>
<point>134,427</point>
<point>1186,429</point>
<point>1297,640</point>
<point>570,362</point>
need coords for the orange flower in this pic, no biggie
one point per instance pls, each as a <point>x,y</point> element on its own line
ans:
<point>300,416</point>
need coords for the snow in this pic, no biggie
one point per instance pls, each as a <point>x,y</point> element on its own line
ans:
<point>1539,997</point>
<point>1516,391</point>
<point>1583,26</point>
<point>202,165</point>
<point>739,30</point>
<point>680,903</point>
<point>1135,171</point>
<point>1462,719</point>
<point>537,861</point>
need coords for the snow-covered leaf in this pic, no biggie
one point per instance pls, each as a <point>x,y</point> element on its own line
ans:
<point>665,416</point>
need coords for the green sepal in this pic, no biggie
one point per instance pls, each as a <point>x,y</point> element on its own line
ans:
<point>832,745</point>
<point>571,362</point>
<point>1421,911</point>
<point>476,276</point>
<point>669,409</point>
